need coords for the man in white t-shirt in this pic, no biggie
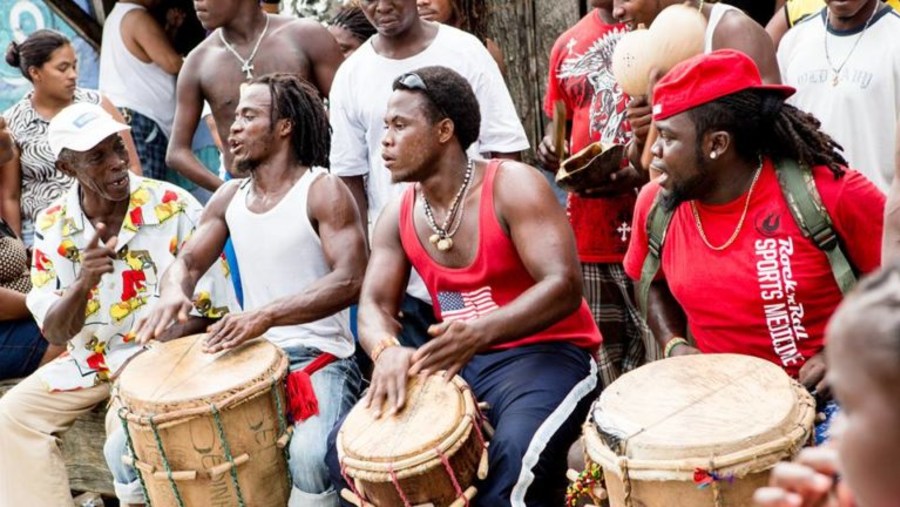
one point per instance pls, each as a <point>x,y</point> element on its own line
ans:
<point>358,102</point>
<point>845,64</point>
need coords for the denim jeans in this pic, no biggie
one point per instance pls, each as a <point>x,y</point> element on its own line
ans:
<point>337,388</point>
<point>21,348</point>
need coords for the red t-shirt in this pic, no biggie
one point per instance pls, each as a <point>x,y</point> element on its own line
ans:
<point>495,278</point>
<point>771,293</point>
<point>581,76</point>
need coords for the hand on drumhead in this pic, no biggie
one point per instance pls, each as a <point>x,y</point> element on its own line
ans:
<point>812,375</point>
<point>172,305</point>
<point>452,346</point>
<point>389,380</point>
<point>234,329</point>
<point>808,482</point>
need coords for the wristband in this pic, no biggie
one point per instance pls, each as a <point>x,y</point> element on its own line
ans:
<point>671,344</point>
<point>390,341</point>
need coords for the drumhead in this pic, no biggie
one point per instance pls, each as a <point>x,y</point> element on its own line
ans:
<point>178,373</point>
<point>433,411</point>
<point>700,406</point>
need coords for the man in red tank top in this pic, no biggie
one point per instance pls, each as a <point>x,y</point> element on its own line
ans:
<point>498,258</point>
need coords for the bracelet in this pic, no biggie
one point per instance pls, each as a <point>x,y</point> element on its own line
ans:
<point>390,341</point>
<point>674,342</point>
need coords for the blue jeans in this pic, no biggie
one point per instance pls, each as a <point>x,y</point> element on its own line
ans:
<point>21,348</point>
<point>337,388</point>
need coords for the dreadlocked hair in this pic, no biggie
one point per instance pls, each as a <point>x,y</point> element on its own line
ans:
<point>353,19</point>
<point>762,124</point>
<point>295,100</point>
<point>470,16</point>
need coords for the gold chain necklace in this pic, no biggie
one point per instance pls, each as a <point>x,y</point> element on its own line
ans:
<point>740,224</point>
<point>837,70</point>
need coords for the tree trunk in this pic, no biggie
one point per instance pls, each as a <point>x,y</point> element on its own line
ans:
<point>525,30</point>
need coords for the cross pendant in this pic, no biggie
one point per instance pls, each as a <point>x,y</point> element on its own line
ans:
<point>835,79</point>
<point>247,68</point>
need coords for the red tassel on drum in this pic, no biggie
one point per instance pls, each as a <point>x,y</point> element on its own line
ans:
<point>302,401</point>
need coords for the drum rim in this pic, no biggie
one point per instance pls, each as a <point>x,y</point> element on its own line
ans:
<point>381,471</point>
<point>741,462</point>
<point>135,410</point>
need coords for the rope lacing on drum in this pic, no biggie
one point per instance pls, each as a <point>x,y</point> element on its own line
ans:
<point>351,483</point>
<point>282,429</point>
<point>227,450</point>
<point>165,460</point>
<point>397,486</point>
<point>130,446</point>
<point>452,475</point>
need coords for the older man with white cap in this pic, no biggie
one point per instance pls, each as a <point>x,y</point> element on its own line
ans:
<point>98,253</point>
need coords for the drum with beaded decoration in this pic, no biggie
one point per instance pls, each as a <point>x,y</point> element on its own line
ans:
<point>696,431</point>
<point>207,429</point>
<point>429,453</point>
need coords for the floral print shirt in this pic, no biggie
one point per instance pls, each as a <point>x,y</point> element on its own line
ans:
<point>160,218</point>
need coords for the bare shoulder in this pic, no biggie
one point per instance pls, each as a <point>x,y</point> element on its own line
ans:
<point>329,195</point>
<point>297,26</point>
<point>514,176</point>
<point>220,200</point>
<point>736,19</point>
<point>329,184</point>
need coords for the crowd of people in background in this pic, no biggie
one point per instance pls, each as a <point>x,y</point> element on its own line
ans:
<point>378,159</point>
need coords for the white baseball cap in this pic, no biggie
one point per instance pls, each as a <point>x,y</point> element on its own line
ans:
<point>80,127</point>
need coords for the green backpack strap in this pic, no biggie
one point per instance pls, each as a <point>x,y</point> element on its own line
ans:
<point>802,196</point>
<point>657,223</point>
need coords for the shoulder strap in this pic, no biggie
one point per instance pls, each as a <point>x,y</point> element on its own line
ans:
<point>657,224</point>
<point>802,196</point>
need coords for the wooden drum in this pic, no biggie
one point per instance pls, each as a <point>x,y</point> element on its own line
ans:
<point>696,431</point>
<point>208,429</point>
<point>430,452</point>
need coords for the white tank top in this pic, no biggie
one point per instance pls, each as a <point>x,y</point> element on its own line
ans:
<point>280,255</point>
<point>129,82</point>
<point>716,15</point>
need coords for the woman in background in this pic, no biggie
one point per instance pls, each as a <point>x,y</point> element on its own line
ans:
<point>466,15</point>
<point>29,182</point>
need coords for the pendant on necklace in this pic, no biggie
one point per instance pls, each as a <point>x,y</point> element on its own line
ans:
<point>247,68</point>
<point>444,244</point>
<point>835,79</point>
<point>433,239</point>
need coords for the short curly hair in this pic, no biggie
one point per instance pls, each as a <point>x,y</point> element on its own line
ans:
<point>449,96</point>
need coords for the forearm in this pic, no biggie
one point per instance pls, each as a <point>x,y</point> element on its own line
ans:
<point>65,318</point>
<point>546,303</point>
<point>12,305</point>
<point>376,321</point>
<point>11,212</point>
<point>327,296</point>
<point>186,163</point>
<point>665,317</point>
<point>180,277</point>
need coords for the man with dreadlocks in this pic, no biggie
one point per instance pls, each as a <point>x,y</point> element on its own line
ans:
<point>737,270</point>
<point>280,136</point>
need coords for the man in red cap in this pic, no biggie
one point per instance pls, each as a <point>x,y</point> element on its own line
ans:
<point>736,268</point>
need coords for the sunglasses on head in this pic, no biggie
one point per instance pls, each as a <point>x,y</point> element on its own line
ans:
<point>412,81</point>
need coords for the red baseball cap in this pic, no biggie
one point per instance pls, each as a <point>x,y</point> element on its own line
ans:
<point>705,78</point>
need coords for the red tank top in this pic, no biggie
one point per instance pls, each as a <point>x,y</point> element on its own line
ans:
<point>494,279</point>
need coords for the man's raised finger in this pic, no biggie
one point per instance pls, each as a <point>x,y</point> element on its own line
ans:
<point>776,497</point>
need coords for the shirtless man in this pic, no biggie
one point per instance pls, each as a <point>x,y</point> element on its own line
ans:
<point>244,42</point>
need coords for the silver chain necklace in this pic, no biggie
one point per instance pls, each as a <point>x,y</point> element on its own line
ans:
<point>443,235</point>
<point>246,65</point>
<point>837,70</point>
